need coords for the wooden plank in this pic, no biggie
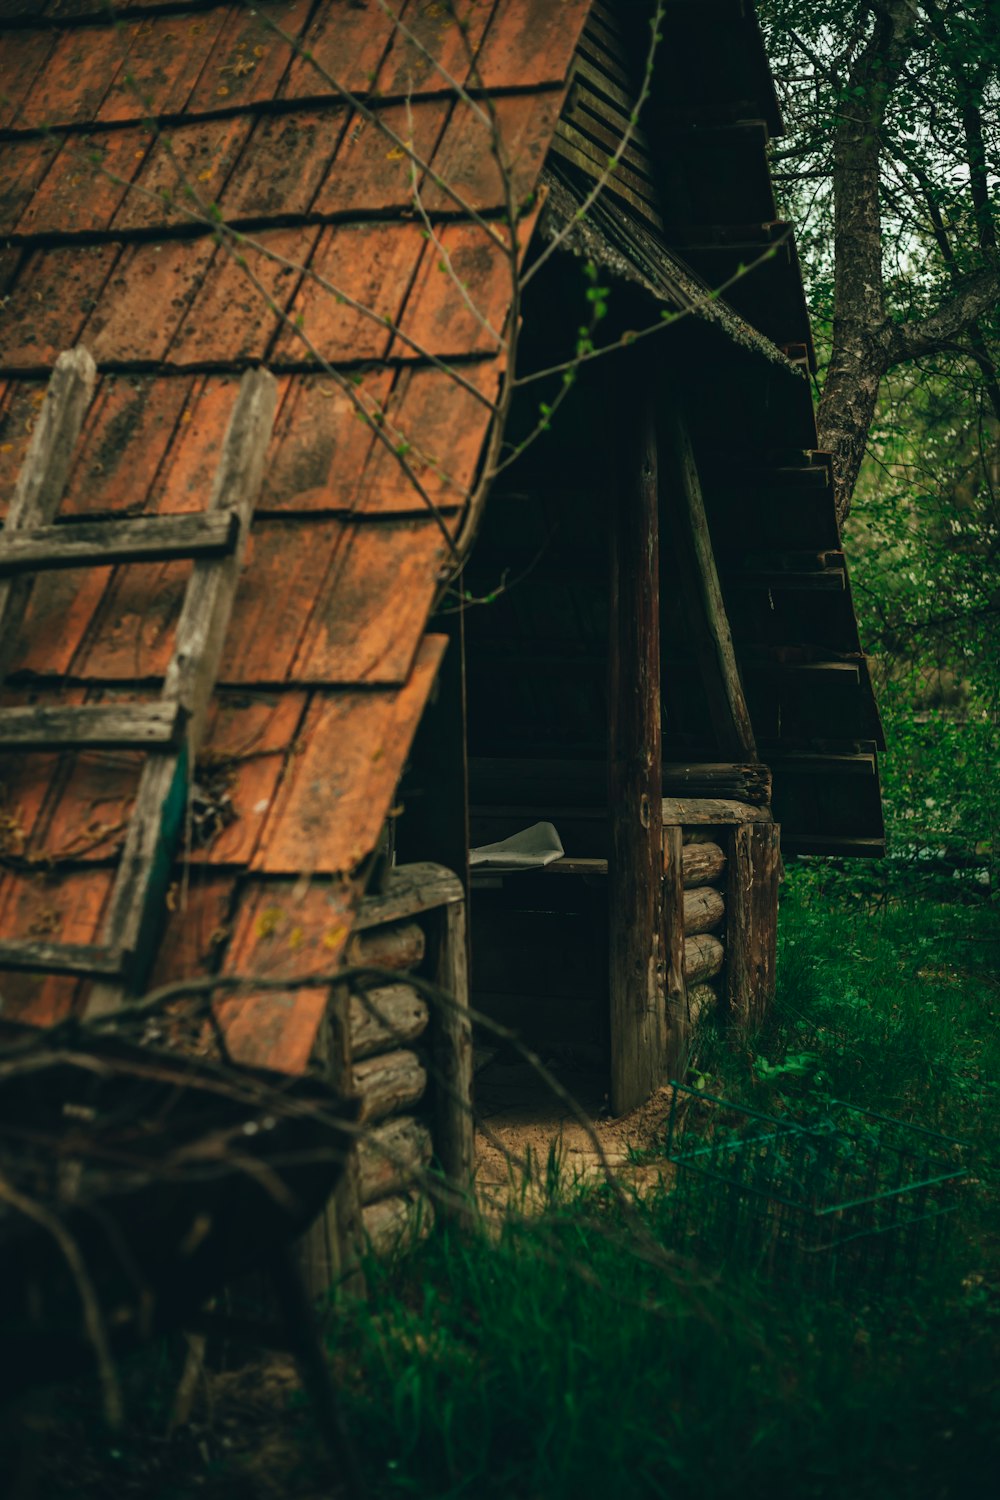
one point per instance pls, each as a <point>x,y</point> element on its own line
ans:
<point>829,580</point>
<point>43,476</point>
<point>826,765</point>
<point>519,779</point>
<point>569,866</point>
<point>410,890</point>
<point>674,919</point>
<point>35,957</point>
<point>208,602</point>
<point>92,726</point>
<point>712,810</point>
<point>825,843</point>
<point>638,1024</point>
<point>144,872</point>
<point>752,922</point>
<point>101,543</point>
<point>704,604</point>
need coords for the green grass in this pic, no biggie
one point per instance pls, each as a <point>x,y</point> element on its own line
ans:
<point>574,1357</point>
<point>559,1362</point>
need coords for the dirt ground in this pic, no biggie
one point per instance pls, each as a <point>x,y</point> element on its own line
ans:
<point>523,1121</point>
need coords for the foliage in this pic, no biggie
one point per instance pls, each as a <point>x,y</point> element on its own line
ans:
<point>924,533</point>
<point>556,1363</point>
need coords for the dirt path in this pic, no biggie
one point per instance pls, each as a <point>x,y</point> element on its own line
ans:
<point>525,1127</point>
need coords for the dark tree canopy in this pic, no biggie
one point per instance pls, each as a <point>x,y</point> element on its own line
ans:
<point>892,166</point>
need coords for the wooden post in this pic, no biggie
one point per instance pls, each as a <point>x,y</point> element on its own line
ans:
<point>330,1250</point>
<point>451,1052</point>
<point>751,921</point>
<point>635,867</point>
<point>673,947</point>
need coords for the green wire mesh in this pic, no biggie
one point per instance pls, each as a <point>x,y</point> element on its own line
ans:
<point>845,1199</point>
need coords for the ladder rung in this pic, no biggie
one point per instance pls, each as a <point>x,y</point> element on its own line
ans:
<point>78,544</point>
<point>86,959</point>
<point>96,726</point>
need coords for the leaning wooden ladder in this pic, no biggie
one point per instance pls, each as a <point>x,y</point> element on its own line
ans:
<point>169,730</point>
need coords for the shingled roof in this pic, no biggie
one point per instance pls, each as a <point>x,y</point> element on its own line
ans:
<point>138,139</point>
<point>125,137</point>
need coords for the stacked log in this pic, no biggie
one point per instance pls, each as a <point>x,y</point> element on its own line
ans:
<point>387,1022</point>
<point>703,868</point>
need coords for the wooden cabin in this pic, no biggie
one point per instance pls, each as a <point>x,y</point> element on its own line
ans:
<point>651,647</point>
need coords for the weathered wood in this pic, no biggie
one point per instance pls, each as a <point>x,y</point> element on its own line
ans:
<point>704,909</point>
<point>828,765</point>
<point>331,1249</point>
<point>635,764</point>
<point>703,958</point>
<point>451,1052</point>
<point>144,870</point>
<point>704,605</point>
<point>43,477</point>
<point>80,544</point>
<point>744,783</point>
<point>702,1000</point>
<point>410,890</point>
<point>386,1016</point>
<point>545,783</point>
<point>392,1156</point>
<point>752,922</point>
<point>399,946</point>
<point>125,726</point>
<point>574,866</point>
<point>702,864</point>
<point>674,915</point>
<point>208,600</point>
<point>712,810</point>
<point>824,843</point>
<point>388,1083</point>
<point>394,1225</point>
<point>830,580</point>
<point>32,956</point>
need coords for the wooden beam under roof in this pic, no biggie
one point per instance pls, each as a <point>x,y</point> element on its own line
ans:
<point>704,606</point>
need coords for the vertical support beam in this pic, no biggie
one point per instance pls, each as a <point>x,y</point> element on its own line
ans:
<point>673,950</point>
<point>704,605</point>
<point>451,1048</point>
<point>330,1250</point>
<point>752,921</point>
<point>635,764</point>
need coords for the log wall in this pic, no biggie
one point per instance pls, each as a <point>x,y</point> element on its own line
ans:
<point>730,868</point>
<point>408,1059</point>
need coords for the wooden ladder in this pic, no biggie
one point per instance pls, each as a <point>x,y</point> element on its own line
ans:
<point>170,729</point>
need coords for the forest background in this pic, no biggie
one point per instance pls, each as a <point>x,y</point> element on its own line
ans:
<point>889,171</point>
